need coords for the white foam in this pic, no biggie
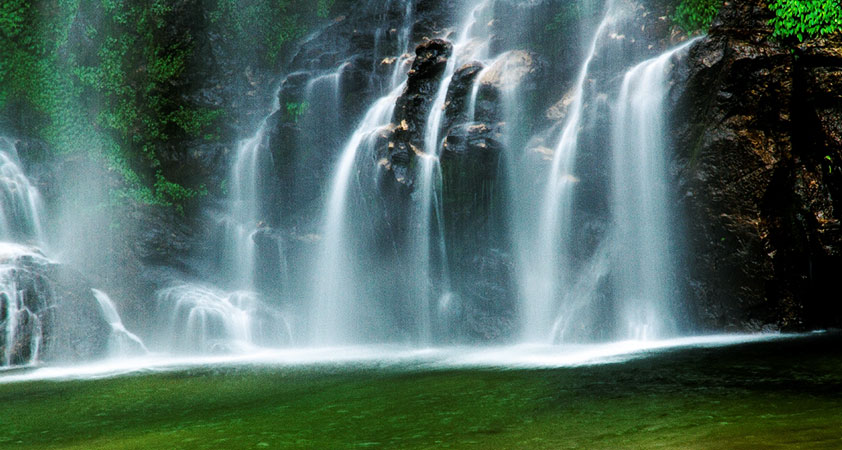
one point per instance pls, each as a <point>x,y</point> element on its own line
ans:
<point>396,357</point>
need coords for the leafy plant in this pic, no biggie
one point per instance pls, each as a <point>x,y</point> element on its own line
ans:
<point>696,15</point>
<point>804,19</point>
<point>323,8</point>
<point>296,109</point>
<point>12,16</point>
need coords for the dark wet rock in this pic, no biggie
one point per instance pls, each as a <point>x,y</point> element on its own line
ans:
<point>473,206</point>
<point>758,158</point>
<point>413,106</point>
<point>470,163</point>
<point>399,144</point>
<point>459,93</point>
<point>430,61</point>
<point>487,297</point>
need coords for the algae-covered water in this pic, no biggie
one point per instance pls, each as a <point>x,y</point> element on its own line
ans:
<point>773,394</point>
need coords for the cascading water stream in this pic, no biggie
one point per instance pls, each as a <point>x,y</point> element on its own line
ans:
<point>335,306</point>
<point>469,46</point>
<point>21,327</point>
<point>244,216</point>
<point>20,203</point>
<point>643,251</point>
<point>26,294</point>
<point>122,341</point>
<point>200,319</point>
<point>334,302</point>
<point>544,263</point>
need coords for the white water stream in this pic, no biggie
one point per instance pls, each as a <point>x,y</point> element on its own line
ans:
<point>644,257</point>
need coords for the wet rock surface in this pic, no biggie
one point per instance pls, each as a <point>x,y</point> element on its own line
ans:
<point>758,157</point>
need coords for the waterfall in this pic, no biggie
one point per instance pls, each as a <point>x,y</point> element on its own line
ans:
<point>197,318</point>
<point>27,290</point>
<point>21,212</point>
<point>21,209</point>
<point>544,263</point>
<point>428,237</point>
<point>336,306</point>
<point>122,342</point>
<point>202,319</point>
<point>244,214</point>
<point>21,328</point>
<point>643,221</point>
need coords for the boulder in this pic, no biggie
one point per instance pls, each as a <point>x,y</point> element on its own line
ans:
<point>48,312</point>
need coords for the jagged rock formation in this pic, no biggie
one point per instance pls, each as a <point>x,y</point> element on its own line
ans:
<point>759,150</point>
<point>758,158</point>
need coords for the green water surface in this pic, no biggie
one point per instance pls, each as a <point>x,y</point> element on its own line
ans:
<point>779,394</point>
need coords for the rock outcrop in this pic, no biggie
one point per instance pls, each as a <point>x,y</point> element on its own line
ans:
<point>48,312</point>
<point>759,150</point>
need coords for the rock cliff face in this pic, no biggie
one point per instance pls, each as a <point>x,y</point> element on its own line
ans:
<point>758,155</point>
<point>757,163</point>
<point>757,151</point>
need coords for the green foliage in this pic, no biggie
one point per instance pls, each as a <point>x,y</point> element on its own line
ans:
<point>804,19</point>
<point>323,8</point>
<point>696,15</point>
<point>12,16</point>
<point>296,109</point>
<point>116,102</point>
<point>167,63</point>
<point>115,92</point>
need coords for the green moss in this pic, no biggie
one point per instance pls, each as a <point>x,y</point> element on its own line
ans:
<point>804,19</point>
<point>295,110</point>
<point>696,15</point>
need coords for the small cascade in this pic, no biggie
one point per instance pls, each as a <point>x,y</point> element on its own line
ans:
<point>323,94</point>
<point>428,241</point>
<point>35,291</point>
<point>201,319</point>
<point>21,209</point>
<point>243,218</point>
<point>544,272</point>
<point>21,213</point>
<point>122,341</point>
<point>643,255</point>
<point>21,331</point>
<point>336,306</point>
